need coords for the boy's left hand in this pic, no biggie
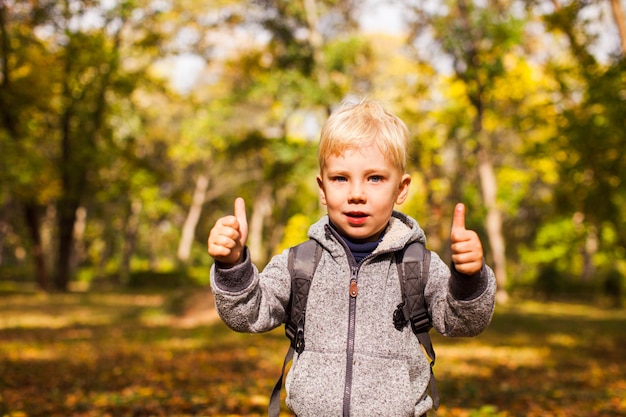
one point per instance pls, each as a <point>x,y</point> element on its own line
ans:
<point>467,251</point>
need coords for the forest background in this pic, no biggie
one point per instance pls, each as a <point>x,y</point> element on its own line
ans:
<point>128,127</point>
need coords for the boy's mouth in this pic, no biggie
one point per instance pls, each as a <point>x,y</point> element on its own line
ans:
<point>356,217</point>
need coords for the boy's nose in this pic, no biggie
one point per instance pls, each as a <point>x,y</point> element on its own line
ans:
<point>356,194</point>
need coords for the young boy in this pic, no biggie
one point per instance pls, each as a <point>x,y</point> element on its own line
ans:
<point>355,362</point>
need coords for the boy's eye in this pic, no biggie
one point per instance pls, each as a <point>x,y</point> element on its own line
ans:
<point>339,178</point>
<point>376,178</point>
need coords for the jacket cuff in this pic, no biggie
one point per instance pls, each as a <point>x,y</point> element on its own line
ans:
<point>234,278</point>
<point>468,287</point>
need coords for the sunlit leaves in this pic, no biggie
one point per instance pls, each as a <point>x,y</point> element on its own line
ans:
<point>268,74</point>
<point>129,356</point>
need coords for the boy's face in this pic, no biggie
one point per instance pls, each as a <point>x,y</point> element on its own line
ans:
<point>360,188</point>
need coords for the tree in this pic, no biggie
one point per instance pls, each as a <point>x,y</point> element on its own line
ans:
<point>593,133</point>
<point>265,94</point>
<point>477,39</point>
<point>25,115</point>
<point>99,61</point>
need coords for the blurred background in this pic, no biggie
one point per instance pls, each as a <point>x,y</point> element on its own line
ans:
<point>128,127</point>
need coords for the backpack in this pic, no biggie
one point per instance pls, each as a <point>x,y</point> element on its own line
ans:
<point>413,263</point>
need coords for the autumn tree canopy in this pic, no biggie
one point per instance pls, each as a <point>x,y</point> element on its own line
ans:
<point>111,170</point>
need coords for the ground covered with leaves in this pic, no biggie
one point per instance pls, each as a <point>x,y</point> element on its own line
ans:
<point>121,354</point>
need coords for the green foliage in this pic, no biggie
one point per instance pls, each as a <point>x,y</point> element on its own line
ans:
<point>595,132</point>
<point>557,241</point>
<point>554,253</point>
<point>295,231</point>
<point>89,122</point>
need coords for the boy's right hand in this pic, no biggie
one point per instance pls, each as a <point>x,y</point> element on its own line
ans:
<point>228,237</point>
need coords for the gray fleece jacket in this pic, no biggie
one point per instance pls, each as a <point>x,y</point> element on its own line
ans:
<point>387,374</point>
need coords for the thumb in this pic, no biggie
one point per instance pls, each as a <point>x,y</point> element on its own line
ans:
<point>240,215</point>
<point>458,220</point>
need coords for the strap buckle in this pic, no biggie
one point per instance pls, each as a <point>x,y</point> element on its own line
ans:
<point>399,317</point>
<point>295,333</point>
<point>420,322</point>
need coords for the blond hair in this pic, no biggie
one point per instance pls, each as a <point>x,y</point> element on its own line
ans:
<point>362,124</point>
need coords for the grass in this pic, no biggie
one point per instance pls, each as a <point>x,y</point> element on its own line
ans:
<point>125,354</point>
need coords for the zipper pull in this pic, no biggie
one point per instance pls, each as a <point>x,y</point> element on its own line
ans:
<point>354,289</point>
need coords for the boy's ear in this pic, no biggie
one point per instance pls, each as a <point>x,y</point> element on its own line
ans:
<point>403,190</point>
<point>320,184</point>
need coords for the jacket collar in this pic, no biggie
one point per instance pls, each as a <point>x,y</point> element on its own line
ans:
<point>401,230</point>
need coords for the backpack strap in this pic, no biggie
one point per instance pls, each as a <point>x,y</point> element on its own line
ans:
<point>413,267</point>
<point>302,261</point>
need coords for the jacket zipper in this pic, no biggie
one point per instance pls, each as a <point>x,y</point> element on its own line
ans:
<point>353,292</point>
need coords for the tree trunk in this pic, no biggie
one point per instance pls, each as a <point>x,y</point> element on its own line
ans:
<point>489,187</point>
<point>79,134</point>
<point>489,190</point>
<point>189,228</point>
<point>620,20</point>
<point>32,216</point>
<point>486,173</point>
<point>261,209</point>
<point>78,252</point>
<point>316,40</point>
<point>130,239</point>
<point>589,250</point>
<point>66,212</point>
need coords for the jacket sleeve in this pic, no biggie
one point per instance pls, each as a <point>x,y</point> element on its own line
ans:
<point>459,305</point>
<point>248,300</point>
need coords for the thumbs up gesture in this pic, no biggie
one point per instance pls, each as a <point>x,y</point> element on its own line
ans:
<point>467,251</point>
<point>228,237</point>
